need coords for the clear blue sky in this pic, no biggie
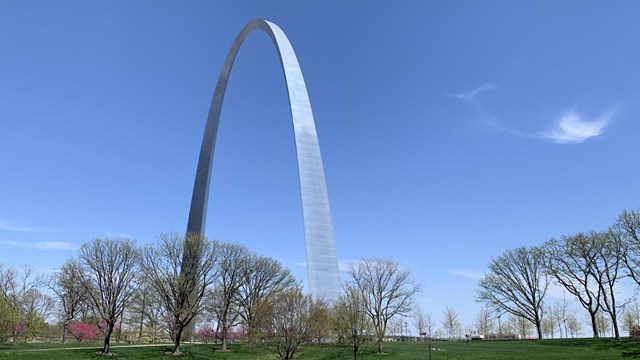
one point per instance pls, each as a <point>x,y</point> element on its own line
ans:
<point>450,131</point>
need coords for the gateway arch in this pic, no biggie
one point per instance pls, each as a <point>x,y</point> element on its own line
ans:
<point>322,263</point>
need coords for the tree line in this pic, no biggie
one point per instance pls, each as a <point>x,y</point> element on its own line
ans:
<point>231,291</point>
<point>592,267</point>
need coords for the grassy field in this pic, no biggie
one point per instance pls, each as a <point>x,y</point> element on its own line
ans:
<point>560,349</point>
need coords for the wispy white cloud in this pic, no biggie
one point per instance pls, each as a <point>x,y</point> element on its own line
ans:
<point>55,245</point>
<point>43,245</point>
<point>573,128</point>
<point>470,274</point>
<point>472,95</point>
<point>7,225</point>
<point>11,243</point>
<point>496,126</point>
<point>118,235</point>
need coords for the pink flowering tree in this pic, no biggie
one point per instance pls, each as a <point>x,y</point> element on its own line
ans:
<point>234,335</point>
<point>83,331</point>
<point>206,334</point>
<point>19,330</point>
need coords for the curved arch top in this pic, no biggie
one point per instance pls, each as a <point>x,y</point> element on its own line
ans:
<point>322,262</point>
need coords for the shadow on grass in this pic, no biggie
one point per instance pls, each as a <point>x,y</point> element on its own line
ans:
<point>629,348</point>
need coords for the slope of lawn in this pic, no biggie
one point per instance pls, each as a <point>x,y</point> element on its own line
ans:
<point>560,349</point>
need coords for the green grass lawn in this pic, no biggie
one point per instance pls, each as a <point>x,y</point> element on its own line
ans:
<point>560,349</point>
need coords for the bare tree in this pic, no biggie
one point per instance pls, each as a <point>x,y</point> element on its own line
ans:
<point>574,325</point>
<point>36,308</point>
<point>604,324</point>
<point>556,315</point>
<point>319,320</point>
<point>262,281</point>
<point>6,311</point>
<point>570,260</point>
<point>180,285</point>
<point>233,263</point>
<point>66,285</point>
<point>633,308</point>
<point>8,302</point>
<point>628,226</point>
<point>154,314</point>
<point>562,313</point>
<point>24,307</point>
<point>451,323</point>
<point>607,269</point>
<point>108,268</point>
<point>519,325</point>
<point>485,322</point>
<point>145,311</point>
<point>137,307</point>
<point>387,291</point>
<point>629,320</point>
<point>395,327</point>
<point>290,323</point>
<point>430,323</point>
<point>352,323</point>
<point>420,321</point>
<point>548,325</point>
<point>516,283</point>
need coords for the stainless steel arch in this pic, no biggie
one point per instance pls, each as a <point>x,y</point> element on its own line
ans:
<point>322,263</point>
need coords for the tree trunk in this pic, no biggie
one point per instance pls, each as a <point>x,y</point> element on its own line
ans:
<point>249,330</point>
<point>616,331</point>
<point>64,331</point>
<point>379,346</point>
<point>107,338</point>
<point>176,347</point>
<point>594,325</point>
<point>539,329</point>
<point>144,299</point>
<point>155,332</point>
<point>224,336</point>
<point>355,352</point>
